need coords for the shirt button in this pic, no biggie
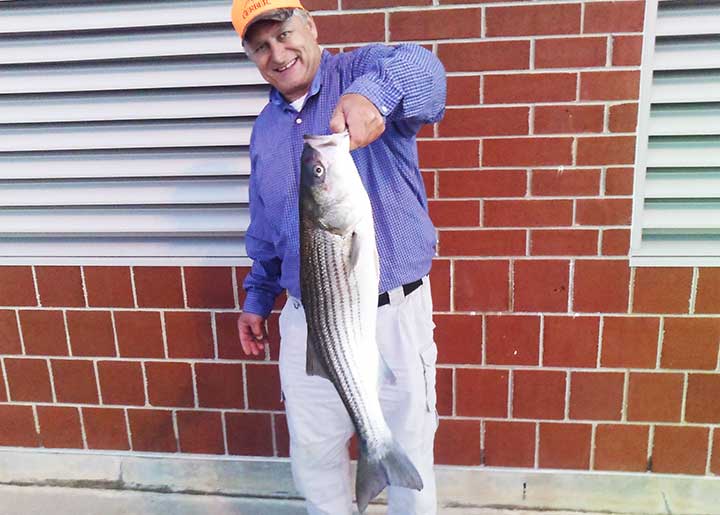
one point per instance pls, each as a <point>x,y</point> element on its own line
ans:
<point>384,109</point>
<point>298,120</point>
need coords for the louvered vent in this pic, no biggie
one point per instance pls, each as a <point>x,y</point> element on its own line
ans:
<point>677,211</point>
<point>124,132</point>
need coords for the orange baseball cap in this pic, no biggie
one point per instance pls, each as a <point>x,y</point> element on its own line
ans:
<point>245,12</point>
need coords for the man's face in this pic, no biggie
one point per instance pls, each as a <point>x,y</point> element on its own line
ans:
<point>286,53</point>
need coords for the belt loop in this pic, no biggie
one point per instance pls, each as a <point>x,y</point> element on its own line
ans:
<point>397,295</point>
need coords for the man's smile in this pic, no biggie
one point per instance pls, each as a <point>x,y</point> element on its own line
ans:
<point>286,66</point>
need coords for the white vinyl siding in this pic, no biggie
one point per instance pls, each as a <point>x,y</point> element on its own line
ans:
<point>676,215</point>
<point>124,132</point>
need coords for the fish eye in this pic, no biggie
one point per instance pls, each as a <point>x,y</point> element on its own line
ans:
<point>318,170</point>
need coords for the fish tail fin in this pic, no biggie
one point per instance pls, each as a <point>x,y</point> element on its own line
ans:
<point>394,468</point>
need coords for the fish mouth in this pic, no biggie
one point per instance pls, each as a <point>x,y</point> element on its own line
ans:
<point>325,139</point>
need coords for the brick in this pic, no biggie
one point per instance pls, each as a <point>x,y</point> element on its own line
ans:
<point>429,182</point>
<point>485,121</point>
<point>109,286</point>
<point>621,447</point>
<point>159,286</point>
<point>485,56</point>
<point>596,395</point>
<point>282,435</point>
<point>372,4</point>
<point>627,50</point>
<point>570,341</point>
<point>573,183</point>
<point>448,153</point>
<point>601,286</point>
<point>538,394</point>
<point>9,333</point>
<point>541,285</point>
<point>444,391</point>
<point>513,340</point>
<point>509,444</point>
<point>263,387</point>
<point>209,287</point>
<point>482,285</point>
<point>605,211</point>
<point>708,291</point>
<point>44,332</point>
<point>619,181</point>
<point>563,242</point>
<point>614,17</point>
<point>690,343</point>
<point>570,52</point>
<point>200,432</point>
<point>325,5</point>
<point>482,393</point>
<point>527,152</point>
<point>533,20</point>
<point>455,213</point>
<point>189,335</point>
<point>17,427</point>
<point>463,90</point>
<point>3,390</point>
<point>606,150</point>
<point>60,286</point>
<point>484,183</point>
<point>451,349</point>
<point>350,28</point>
<point>440,281</point>
<point>564,446</point>
<point>220,385</point>
<point>249,434</point>
<point>623,118</point>
<point>426,131</point>
<point>662,290</point>
<point>654,397</point>
<point>17,286</point>
<point>139,334</point>
<point>435,24</point>
<point>530,88</point>
<point>616,242</point>
<point>715,461</point>
<point>59,427</point>
<point>28,380</point>
<point>527,213</point>
<point>105,428</point>
<point>91,333</point>
<point>74,381</point>
<point>121,382</point>
<point>680,450</point>
<point>568,119</point>
<point>457,442</point>
<point>169,384</point>
<point>482,243</point>
<point>703,398</point>
<point>152,430</point>
<point>630,342</point>
<point>620,85</point>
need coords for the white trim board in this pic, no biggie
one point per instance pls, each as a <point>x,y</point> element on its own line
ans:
<point>482,487</point>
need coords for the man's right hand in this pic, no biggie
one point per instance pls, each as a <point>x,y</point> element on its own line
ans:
<point>253,337</point>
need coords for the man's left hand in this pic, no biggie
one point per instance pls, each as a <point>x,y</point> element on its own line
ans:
<point>361,118</point>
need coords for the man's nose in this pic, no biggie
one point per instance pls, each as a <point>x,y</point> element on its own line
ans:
<point>277,52</point>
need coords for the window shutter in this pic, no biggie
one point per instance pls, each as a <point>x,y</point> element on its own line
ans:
<point>676,220</point>
<point>124,132</point>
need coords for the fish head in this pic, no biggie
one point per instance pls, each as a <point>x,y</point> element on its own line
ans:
<point>331,191</point>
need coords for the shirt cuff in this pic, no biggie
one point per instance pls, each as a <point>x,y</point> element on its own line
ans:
<point>258,303</point>
<point>385,96</point>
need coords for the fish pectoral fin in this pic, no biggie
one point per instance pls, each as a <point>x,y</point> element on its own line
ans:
<point>355,246</point>
<point>313,365</point>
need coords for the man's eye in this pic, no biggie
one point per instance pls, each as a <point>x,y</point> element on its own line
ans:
<point>260,49</point>
<point>284,35</point>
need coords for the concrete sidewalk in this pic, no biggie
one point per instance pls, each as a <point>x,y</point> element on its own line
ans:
<point>36,500</point>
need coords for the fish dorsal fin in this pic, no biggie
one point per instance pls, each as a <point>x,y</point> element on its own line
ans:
<point>313,365</point>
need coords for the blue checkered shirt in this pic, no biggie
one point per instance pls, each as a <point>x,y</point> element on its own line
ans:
<point>407,85</point>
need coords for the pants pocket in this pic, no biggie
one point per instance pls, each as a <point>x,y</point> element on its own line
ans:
<point>428,357</point>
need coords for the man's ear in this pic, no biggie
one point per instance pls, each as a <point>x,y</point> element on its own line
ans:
<point>312,27</point>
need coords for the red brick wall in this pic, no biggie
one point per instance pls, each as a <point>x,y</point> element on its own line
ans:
<point>553,352</point>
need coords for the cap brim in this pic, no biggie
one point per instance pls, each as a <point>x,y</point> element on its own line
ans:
<point>268,16</point>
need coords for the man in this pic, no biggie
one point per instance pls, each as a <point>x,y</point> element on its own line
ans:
<point>382,95</point>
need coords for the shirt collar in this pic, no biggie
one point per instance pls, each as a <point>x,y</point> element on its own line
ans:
<point>279,100</point>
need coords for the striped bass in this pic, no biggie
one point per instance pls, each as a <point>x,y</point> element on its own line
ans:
<point>339,277</point>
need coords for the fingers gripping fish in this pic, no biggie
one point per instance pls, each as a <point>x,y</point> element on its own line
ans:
<point>339,277</point>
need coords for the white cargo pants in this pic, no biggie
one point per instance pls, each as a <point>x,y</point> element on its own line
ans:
<point>320,427</point>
